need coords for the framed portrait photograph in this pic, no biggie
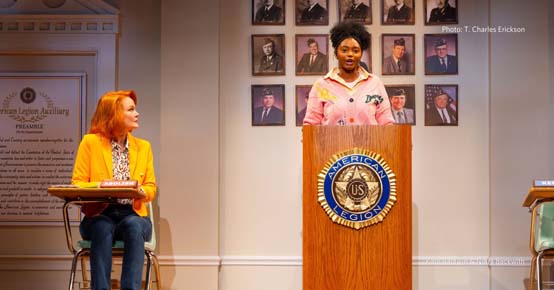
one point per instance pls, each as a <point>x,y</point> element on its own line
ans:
<point>441,105</point>
<point>402,100</point>
<point>366,62</point>
<point>312,54</point>
<point>440,12</point>
<point>398,54</point>
<point>441,54</point>
<point>355,10</point>
<point>302,95</point>
<point>398,12</point>
<point>268,54</point>
<point>268,12</point>
<point>268,105</point>
<point>312,12</point>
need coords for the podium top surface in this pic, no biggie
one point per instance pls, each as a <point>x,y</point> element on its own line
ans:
<point>75,193</point>
<point>537,193</point>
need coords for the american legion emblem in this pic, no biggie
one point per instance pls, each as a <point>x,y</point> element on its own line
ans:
<point>356,188</point>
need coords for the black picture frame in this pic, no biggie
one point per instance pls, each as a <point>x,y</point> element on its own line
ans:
<point>366,62</point>
<point>441,54</point>
<point>275,15</point>
<point>304,43</point>
<point>276,115</point>
<point>262,65</point>
<point>407,108</point>
<point>360,12</point>
<point>445,96</point>
<point>403,16</point>
<point>444,15</point>
<point>317,15</point>
<point>301,93</point>
<point>395,62</point>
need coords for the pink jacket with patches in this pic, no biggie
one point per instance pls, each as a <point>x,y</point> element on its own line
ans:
<point>333,102</point>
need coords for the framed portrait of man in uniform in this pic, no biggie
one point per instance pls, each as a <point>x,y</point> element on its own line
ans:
<point>268,12</point>
<point>268,54</point>
<point>398,54</point>
<point>366,61</point>
<point>268,105</point>
<point>441,105</point>
<point>440,12</point>
<point>441,54</point>
<point>398,12</point>
<point>355,10</point>
<point>312,54</point>
<point>302,95</point>
<point>312,12</point>
<point>402,100</point>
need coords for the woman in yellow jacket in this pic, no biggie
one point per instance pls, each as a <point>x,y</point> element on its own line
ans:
<point>110,152</point>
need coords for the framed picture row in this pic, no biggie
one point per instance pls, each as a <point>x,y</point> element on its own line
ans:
<point>398,53</point>
<point>316,12</point>
<point>441,104</point>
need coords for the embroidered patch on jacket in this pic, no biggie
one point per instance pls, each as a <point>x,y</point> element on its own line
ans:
<point>376,99</point>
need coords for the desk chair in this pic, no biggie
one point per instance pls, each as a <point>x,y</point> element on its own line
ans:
<point>83,250</point>
<point>542,239</point>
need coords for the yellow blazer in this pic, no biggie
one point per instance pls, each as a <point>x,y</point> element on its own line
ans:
<point>93,164</point>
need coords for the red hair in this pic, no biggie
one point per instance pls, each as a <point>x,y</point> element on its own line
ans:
<point>108,118</point>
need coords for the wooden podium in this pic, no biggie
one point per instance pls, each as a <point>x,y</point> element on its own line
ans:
<point>377,257</point>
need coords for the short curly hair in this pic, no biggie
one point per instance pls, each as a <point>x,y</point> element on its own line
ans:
<point>349,29</point>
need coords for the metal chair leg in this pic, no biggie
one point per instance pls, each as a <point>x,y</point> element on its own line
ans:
<point>532,274</point>
<point>157,269</point>
<point>148,269</point>
<point>74,268</point>
<point>84,275</point>
<point>539,270</point>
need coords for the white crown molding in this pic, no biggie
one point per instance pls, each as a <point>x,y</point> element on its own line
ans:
<point>98,6</point>
<point>85,23</point>
<point>63,262</point>
<point>59,7</point>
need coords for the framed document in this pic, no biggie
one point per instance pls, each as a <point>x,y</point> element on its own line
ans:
<point>42,122</point>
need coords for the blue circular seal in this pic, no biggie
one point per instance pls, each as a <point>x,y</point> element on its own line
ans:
<point>357,188</point>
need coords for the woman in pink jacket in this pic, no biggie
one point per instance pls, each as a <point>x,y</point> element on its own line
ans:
<point>348,94</point>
